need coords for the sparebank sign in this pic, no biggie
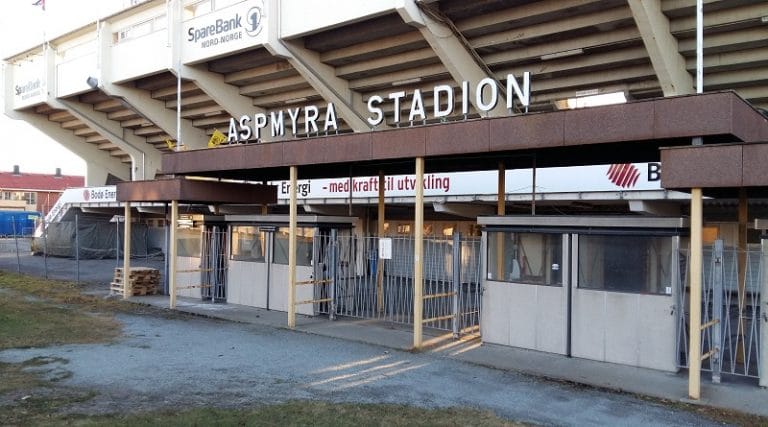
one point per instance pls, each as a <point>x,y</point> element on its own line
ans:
<point>29,89</point>
<point>225,30</point>
<point>405,106</point>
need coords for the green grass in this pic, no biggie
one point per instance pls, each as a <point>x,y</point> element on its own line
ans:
<point>303,413</point>
<point>37,313</point>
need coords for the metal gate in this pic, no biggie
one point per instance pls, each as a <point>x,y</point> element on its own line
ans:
<point>213,265</point>
<point>730,311</point>
<point>360,284</point>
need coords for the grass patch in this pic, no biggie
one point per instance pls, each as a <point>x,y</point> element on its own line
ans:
<point>39,323</point>
<point>15,377</point>
<point>304,413</point>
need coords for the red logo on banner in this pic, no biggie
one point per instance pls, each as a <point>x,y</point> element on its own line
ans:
<point>624,175</point>
<point>86,195</point>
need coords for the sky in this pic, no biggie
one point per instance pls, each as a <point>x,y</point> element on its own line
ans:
<point>21,27</point>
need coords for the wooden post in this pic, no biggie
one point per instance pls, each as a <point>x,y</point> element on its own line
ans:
<point>173,253</point>
<point>694,333</point>
<point>264,207</point>
<point>742,272</point>
<point>127,285</point>
<point>502,190</point>
<point>418,253</point>
<point>501,210</point>
<point>292,251</point>
<point>380,234</point>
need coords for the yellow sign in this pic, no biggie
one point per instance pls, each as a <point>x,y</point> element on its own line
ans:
<point>216,139</point>
<point>172,145</point>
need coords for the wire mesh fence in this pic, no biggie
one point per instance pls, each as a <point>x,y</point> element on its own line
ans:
<point>86,249</point>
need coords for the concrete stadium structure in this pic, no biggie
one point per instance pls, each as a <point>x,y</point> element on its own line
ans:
<point>204,93</point>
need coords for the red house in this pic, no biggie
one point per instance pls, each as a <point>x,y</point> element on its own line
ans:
<point>34,191</point>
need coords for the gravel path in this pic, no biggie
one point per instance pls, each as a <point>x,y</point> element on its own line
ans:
<point>182,362</point>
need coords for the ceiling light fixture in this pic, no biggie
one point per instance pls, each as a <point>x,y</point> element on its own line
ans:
<point>563,54</point>
<point>406,81</point>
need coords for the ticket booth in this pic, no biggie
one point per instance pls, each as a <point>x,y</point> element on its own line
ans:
<point>258,259</point>
<point>599,288</point>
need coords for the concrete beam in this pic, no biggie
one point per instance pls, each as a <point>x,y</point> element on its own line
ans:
<point>662,47</point>
<point>142,103</point>
<point>145,157</point>
<point>656,208</point>
<point>156,112</point>
<point>453,50</point>
<point>225,95</point>
<point>466,210</point>
<point>335,210</point>
<point>99,163</point>
<point>322,77</point>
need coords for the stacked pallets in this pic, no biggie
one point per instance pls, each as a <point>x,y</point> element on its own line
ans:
<point>144,281</point>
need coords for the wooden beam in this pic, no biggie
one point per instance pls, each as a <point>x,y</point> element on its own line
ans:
<point>380,234</point>
<point>173,253</point>
<point>418,254</point>
<point>694,332</point>
<point>292,251</point>
<point>127,285</point>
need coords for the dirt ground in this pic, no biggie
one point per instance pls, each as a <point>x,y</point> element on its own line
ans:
<point>173,362</point>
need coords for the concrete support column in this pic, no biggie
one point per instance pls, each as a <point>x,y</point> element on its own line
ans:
<point>292,251</point>
<point>173,251</point>
<point>127,285</point>
<point>418,254</point>
<point>694,333</point>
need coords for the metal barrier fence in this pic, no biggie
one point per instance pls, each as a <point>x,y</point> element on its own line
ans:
<point>213,264</point>
<point>731,308</point>
<point>360,284</point>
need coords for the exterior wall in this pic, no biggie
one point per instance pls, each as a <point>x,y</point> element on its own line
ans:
<point>14,205</point>
<point>124,65</point>
<point>246,283</point>
<point>326,15</point>
<point>76,59</point>
<point>184,280</point>
<point>526,316</point>
<point>629,329</point>
<point>46,200</point>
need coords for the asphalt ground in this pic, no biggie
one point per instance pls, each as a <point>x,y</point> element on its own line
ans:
<point>182,362</point>
<point>172,362</point>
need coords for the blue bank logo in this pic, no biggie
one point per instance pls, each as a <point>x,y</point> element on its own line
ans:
<point>253,24</point>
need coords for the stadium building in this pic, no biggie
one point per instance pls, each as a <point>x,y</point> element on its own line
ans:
<point>578,177</point>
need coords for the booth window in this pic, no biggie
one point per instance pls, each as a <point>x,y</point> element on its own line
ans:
<point>637,264</point>
<point>304,238</point>
<point>188,242</point>
<point>248,243</point>
<point>534,258</point>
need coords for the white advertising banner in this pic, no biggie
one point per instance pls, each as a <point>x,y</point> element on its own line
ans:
<point>617,177</point>
<point>28,82</point>
<point>226,30</point>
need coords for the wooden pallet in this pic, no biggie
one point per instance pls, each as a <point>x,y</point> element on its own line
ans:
<point>144,281</point>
